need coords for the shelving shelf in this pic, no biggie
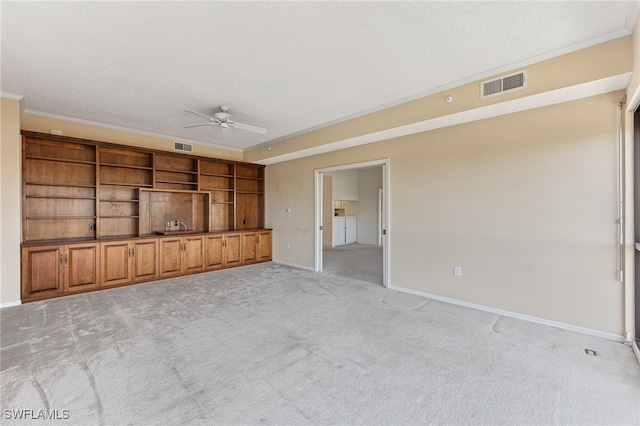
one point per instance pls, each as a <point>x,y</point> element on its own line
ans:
<point>216,175</point>
<point>190,172</point>
<point>177,182</point>
<point>249,178</point>
<point>119,217</point>
<point>59,160</point>
<point>118,201</point>
<point>60,184</point>
<point>59,217</point>
<point>136,185</point>
<point>125,166</point>
<point>55,197</point>
<point>249,192</point>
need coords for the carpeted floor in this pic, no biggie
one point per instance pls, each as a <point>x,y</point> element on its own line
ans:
<point>269,344</point>
<point>359,261</point>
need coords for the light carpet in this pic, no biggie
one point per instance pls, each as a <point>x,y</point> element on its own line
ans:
<point>269,344</point>
<point>359,261</point>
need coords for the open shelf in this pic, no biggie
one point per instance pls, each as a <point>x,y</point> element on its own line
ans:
<point>125,166</point>
<point>60,184</point>
<point>127,184</point>
<point>57,197</point>
<point>249,178</point>
<point>59,160</point>
<point>215,175</point>
<point>59,217</point>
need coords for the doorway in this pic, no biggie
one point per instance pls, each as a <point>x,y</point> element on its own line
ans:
<point>354,257</point>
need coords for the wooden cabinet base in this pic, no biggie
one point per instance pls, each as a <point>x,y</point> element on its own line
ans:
<point>54,270</point>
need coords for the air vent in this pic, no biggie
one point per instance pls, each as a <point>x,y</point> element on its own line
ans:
<point>507,83</point>
<point>179,146</point>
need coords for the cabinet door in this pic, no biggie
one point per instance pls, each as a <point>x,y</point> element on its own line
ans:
<point>82,266</point>
<point>145,259</point>
<point>339,231</point>
<point>350,227</point>
<point>115,265</point>
<point>232,249</point>
<point>249,247</point>
<point>170,256</point>
<point>42,271</point>
<point>264,246</point>
<point>214,258</point>
<point>193,252</point>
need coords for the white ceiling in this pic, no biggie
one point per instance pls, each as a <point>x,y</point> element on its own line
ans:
<point>294,66</point>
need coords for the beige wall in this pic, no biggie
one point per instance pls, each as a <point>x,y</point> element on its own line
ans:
<point>36,123</point>
<point>327,211</point>
<point>525,203</point>
<point>10,201</point>
<point>369,181</point>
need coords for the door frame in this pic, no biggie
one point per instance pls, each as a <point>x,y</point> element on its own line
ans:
<point>386,240</point>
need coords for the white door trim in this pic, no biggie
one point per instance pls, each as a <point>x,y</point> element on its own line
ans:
<point>318,173</point>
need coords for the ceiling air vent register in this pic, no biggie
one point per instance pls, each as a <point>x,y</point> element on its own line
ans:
<point>504,84</point>
<point>179,146</point>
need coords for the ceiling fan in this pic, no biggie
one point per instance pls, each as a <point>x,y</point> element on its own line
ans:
<point>222,119</point>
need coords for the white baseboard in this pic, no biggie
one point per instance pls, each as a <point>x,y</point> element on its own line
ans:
<point>9,304</point>
<point>556,324</point>
<point>293,265</point>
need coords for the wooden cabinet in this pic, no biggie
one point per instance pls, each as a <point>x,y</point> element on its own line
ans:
<point>57,269</point>
<point>179,255</point>
<point>256,246</point>
<point>124,262</point>
<point>223,250</point>
<point>97,214</point>
<point>344,230</point>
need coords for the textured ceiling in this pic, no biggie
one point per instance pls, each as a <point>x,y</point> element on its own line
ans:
<point>293,65</point>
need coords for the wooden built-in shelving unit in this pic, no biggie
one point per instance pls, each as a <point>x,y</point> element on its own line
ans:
<point>78,191</point>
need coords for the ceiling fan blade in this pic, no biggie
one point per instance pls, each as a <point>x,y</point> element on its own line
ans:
<point>199,125</point>
<point>199,113</point>
<point>250,128</point>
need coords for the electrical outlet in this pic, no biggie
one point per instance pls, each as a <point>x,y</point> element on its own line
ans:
<point>175,222</point>
<point>92,227</point>
<point>457,271</point>
<point>168,224</point>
